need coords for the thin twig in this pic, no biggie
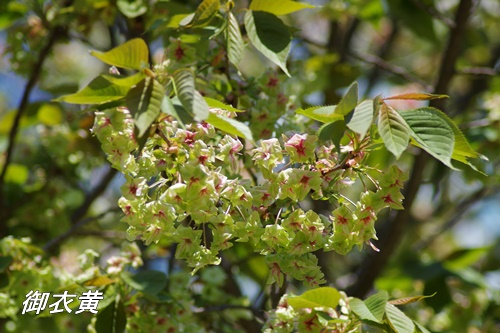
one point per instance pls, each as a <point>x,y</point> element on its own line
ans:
<point>94,194</point>
<point>463,207</point>
<point>432,11</point>
<point>391,68</point>
<point>478,71</point>
<point>62,237</point>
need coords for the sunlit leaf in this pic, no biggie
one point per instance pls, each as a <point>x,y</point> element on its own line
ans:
<point>278,7</point>
<point>315,298</point>
<point>191,99</point>
<point>393,130</point>
<point>103,89</point>
<point>348,101</point>
<point>235,44</point>
<point>133,54</point>
<point>432,132</point>
<point>144,103</point>
<point>372,309</point>
<point>230,126</point>
<point>132,8</point>
<point>409,300</point>
<point>362,118</point>
<point>417,96</point>
<point>269,35</point>
<point>213,103</point>
<point>99,281</point>
<point>398,320</point>
<point>325,114</point>
<point>204,13</point>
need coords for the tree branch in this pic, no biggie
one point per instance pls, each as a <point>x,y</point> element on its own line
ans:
<point>50,245</point>
<point>462,208</point>
<point>54,35</point>
<point>388,67</point>
<point>373,265</point>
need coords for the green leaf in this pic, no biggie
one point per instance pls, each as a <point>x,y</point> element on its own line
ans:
<point>348,101</point>
<point>372,309</point>
<point>432,133</point>
<point>325,114</point>
<point>417,96</point>
<point>132,8</point>
<point>191,99</point>
<point>269,35</point>
<point>213,103</point>
<point>133,54</point>
<point>112,319</point>
<point>235,43</point>
<point>144,103</point>
<point>278,7</point>
<point>5,262</point>
<point>409,300</point>
<point>204,14</point>
<point>230,126</point>
<point>148,282</point>
<point>398,320</point>
<point>315,298</point>
<point>168,107</point>
<point>50,114</point>
<point>362,118</point>
<point>462,149</point>
<point>333,131</point>
<point>393,130</point>
<point>103,89</point>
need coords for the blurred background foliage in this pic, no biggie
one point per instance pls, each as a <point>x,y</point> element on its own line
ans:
<point>58,189</point>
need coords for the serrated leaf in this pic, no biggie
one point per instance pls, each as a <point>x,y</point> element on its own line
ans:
<point>362,118</point>
<point>144,103</point>
<point>111,319</point>
<point>213,103</point>
<point>204,14</point>
<point>325,114</point>
<point>398,320</point>
<point>230,126</point>
<point>191,100</point>
<point>103,89</point>
<point>148,282</point>
<point>278,7</point>
<point>333,131</point>
<point>409,300</point>
<point>432,132</point>
<point>393,130</point>
<point>133,54</point>
<point>372,309</point>
<point>235,43</point>
<point>269,35</point>
<point>348,101</point>
<point>462,149</point>
<point>315,298</point>
<point>417,96</point>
